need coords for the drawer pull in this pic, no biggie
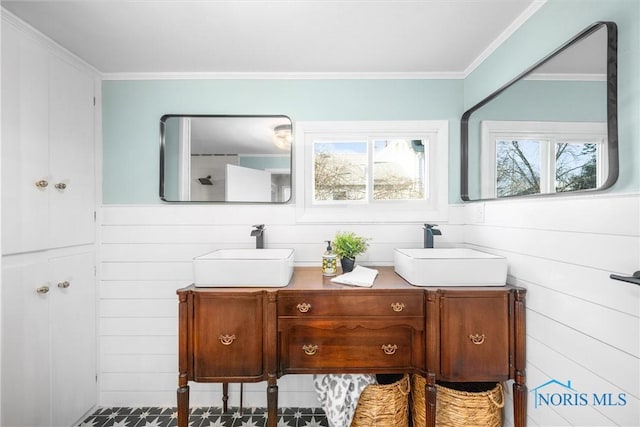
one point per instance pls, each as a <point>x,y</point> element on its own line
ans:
<point>310,349</point>
<point>389,348</point>
<point>477,339</point>
<point>42,290</point>
<point>43,183</point>
<point>398,306</point>
<point>227,339</point>
<point>303,307</point>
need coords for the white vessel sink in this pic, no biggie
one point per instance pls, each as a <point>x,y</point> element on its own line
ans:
<point>244,268</point>
<point>450,267</point>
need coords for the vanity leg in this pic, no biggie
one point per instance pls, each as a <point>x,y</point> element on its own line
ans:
<point>430,400</point>
<point>183,406</point>
<point>519,402</point>
<point>272,404</point>
<point>225,397</point>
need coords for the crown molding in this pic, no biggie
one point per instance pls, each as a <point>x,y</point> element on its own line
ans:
<point>9,18</point>
<point>515,25</point>
<point>283,76</point>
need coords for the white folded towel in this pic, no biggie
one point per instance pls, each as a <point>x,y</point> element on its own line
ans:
<point>360,276</point>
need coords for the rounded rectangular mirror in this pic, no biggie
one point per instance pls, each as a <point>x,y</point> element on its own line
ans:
<point>551,130</point>
<point>225,158</point>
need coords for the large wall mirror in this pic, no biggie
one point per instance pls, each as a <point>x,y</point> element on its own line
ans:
<point>225,159</point>
<point>551,130</point>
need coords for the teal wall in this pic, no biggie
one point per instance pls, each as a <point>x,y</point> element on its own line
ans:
<point>132,111</point>
<point>555,23</point>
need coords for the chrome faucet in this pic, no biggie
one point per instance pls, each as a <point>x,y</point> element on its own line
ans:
<point>429,232</point>
<point>258,233</point>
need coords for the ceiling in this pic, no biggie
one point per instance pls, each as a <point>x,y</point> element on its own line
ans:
<point>446,37</point>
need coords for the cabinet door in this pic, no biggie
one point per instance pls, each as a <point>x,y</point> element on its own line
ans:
<point>474,334</point>
<point>71,155</point>
<point>227,336</point>
<point>25,344</point>
<point>25,154</point>
<point>73,337</point>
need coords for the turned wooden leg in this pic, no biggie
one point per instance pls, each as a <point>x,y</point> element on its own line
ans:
<point>183,406</point>
<point>225,397</point>
<point>430,400</point>
<point>272,405</point>
<point>520,401</point>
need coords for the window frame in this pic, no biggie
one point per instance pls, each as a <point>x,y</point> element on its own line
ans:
<point>433,208</point>
<point>549,132</point>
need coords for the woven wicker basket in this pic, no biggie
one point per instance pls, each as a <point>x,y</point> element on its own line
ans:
<point>456,408</point>
<point>384,405</point>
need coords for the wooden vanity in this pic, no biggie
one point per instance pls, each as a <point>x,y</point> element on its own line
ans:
<point>470,334</point>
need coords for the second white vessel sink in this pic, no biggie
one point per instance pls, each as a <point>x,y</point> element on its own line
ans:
<point>244,268</point>
<point>450,267</point>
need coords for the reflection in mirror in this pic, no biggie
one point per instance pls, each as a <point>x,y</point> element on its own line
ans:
<point>225,159</point>
<point>551,130</point>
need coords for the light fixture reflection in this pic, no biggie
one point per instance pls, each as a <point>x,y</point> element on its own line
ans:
<point>282,137</point>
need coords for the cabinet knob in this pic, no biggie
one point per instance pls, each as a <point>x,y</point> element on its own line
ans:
<point>42,289</point>
<point>227,339</point>
<point>64,285</point>
<point>43,183</point>
<point>398,306</point>
<point>477,339</point>
<point>61,186</point>
<point>310,349</point>
<point>389,348</point>
<point>303,307</point>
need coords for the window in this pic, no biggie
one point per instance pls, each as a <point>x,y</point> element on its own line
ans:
<point>542,157</point>
<point>368,170</point>
<point>387,171</point>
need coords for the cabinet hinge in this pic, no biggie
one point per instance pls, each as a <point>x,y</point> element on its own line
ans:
<point>510,360</point>
<point>95,271</point>
<point>94,101</point>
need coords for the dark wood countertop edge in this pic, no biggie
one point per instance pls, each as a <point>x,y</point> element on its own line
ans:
<point>311,279</point>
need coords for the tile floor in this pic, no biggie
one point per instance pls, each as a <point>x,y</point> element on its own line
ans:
<point>203,417</point>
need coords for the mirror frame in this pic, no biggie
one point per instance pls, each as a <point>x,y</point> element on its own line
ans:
<point>612,112</point>
<point>248,116</point>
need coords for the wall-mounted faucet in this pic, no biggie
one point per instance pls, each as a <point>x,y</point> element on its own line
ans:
<point>429,232</point>
<point>258,233</point>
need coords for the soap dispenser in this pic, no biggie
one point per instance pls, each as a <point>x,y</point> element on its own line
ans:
<point>329,261</point>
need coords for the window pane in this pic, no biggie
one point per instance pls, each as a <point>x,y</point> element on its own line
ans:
<point>517,167</point>
<point>576,166</point>
<point>340,170</point>
<point>398,169</point>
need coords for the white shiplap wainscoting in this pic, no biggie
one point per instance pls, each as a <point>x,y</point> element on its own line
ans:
<point>582,326</point>
<point>146,254</point>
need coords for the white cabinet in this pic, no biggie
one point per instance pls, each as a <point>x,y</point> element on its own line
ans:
<point>48,303</point>
<point>48,339</point>
<point>48,165</point>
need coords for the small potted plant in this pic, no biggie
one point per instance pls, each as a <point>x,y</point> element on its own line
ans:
<point>347,245</point>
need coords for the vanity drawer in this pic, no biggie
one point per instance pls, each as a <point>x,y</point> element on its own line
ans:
<point>344,349</point>
<point>351,303</point>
